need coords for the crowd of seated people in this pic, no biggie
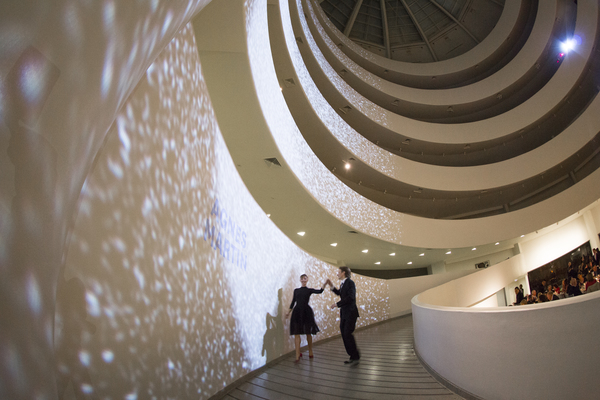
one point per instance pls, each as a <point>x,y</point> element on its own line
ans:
<point>581,278</point>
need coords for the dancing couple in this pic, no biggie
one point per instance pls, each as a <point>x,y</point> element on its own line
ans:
<point>303,318</point>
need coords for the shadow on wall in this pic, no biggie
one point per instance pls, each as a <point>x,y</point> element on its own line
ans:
<point>273,338</point>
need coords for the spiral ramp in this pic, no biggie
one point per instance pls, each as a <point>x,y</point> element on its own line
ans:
<point>415,182</point>
<point>470,136</point>
<point>472,151</point>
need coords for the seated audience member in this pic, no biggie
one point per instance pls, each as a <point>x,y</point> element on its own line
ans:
<point>524,302</point>
<point>595,271</point>
<point>573,289</point>
<point>534,294</point>
<point>590,281</point>
<point>542,298</point>
<point>565,286</point>
<point>581,282</point>
<point>519,296</point>
<point>556,289</point>
<point>551,296</point>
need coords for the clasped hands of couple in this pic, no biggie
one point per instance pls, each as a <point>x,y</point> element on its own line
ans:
<point>328,282</point>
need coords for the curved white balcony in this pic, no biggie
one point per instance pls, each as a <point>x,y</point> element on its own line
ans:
<point>320,120</point>
<point>381,122</point>
<point>447,71</point>
<point>496,352</point>
<point>411,101</point>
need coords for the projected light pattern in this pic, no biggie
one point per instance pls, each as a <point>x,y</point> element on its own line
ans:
<point>139,247</point>
<point>184,280</point>
<point>356,143</point>
<point>348,136</point>
<point>349,93</point>
<point>351,208</point>
<point>55,110</point>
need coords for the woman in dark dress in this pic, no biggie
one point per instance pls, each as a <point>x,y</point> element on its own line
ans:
<point>303,318</point>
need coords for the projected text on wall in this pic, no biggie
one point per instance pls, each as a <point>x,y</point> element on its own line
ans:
<point>225,236</point>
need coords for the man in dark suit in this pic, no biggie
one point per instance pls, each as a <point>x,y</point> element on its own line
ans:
<point>348,313</point>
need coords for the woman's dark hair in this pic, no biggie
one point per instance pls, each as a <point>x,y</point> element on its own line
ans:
<point>303,275</point>
<point>346,271</point>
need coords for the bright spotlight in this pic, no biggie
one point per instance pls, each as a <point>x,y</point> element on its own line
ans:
<point>568,45</point>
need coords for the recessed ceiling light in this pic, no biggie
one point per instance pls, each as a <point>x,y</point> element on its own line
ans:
<point>269,215</point>
<point>421,255</point>
<point>522,235</point>
<point>474,248</point>
<point>347,165</point>
<point>301,233</point>
<point>333,244</point>
<point>378,262</point>
<point>448,252</point>
<point>409,263</point>
<point>497,243</point>
<point>392,254</point>
<point>365,251</point>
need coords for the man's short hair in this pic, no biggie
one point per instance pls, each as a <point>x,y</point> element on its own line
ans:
<point>346,271</point>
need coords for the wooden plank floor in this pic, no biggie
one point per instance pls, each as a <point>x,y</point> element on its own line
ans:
<point>389,369</point>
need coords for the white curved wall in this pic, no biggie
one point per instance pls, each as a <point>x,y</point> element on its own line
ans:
<point>174,280</point>
<point>502,352</point>
<point>66,68</point>
<point>100,50</point>
<point>539,351</point>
